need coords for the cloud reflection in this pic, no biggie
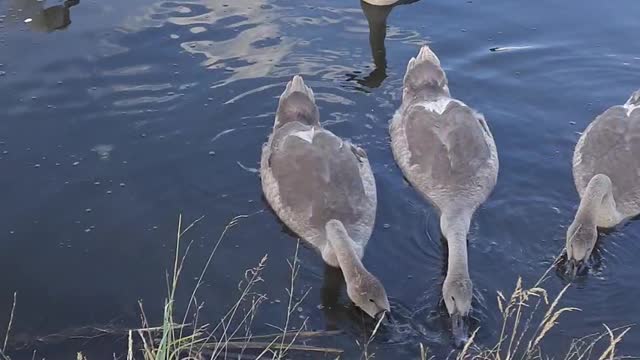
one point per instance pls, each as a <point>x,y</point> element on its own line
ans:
<point>240,37</point>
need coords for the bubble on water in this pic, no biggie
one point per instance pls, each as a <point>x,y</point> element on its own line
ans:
<point>122,184</point>
<point>174,36</point>
<point>36,165</point>
<point>87,230</point>
<point>87,210</point>
<point>28,20</point>
<point>76,163</point>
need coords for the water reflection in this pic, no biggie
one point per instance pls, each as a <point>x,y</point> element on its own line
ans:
<point>240,37</point>
<point>45,19</point>
<point>377,19</point>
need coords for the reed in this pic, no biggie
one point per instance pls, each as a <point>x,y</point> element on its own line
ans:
<point>232,334</point>
<point>528,317</point>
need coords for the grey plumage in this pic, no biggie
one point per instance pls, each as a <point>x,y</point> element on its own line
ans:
<point>606,171</point>
<point>322,188</point>
<point>611,146</point>
<point>446,151</point>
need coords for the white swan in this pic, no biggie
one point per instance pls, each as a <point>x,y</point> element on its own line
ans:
<point>446,151</point>
<point>606,171</point>
<point>323,189</point>
<point>381,2</point>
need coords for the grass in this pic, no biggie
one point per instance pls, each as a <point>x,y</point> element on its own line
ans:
<point>529,316</point>
<point>232,334</point>
<point>523,329</point>
<point>3,351</point>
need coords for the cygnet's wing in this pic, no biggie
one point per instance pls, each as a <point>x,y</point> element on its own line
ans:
<point>451,151</point>
<point>611,146</point>
<point>320,177</point>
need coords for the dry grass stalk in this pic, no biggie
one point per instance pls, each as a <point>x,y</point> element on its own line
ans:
<point>232,333</point>
<point>583,348</point>
<point>9,325</point>
<point>613,341</point>
<point>516,326</point>
<point>365,351</point>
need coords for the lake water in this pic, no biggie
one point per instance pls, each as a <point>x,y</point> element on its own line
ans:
<point>116,117</point>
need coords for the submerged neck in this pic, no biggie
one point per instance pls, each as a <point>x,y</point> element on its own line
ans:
<point>454,225</point>
<point>597,206</point>
<point>342,245</point>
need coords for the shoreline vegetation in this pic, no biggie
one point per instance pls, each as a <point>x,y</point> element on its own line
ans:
<point>529,315</point>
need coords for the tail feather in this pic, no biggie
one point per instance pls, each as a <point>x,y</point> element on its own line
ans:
<point>297,85</point>
<point>424,73</point>
<point>425,55</point>
<point>634,100</point>
<point>297,103</point>
<point>633,103</point>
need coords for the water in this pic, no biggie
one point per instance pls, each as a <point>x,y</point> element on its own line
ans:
<point>118,116</point>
